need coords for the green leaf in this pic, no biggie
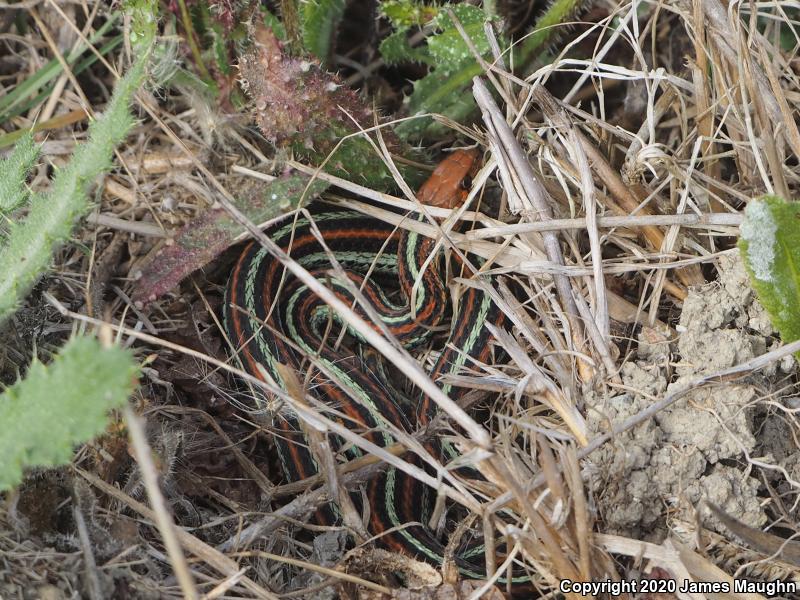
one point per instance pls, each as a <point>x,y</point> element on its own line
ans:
<point>13,171</point>
<point>445,89</point>
<point>547,28</point>
<point>274,23</point>
<point>395,49</point>
<point>320,19</point>
<point>51,217</point>
<point>407,13</point>
<point>448,48</point>
<point>57,406</point>
<point>770,246</point>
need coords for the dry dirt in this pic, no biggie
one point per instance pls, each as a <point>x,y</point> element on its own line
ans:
<point>722,442</point>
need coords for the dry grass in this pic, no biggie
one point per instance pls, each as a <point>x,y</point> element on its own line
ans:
<point>619,189</point>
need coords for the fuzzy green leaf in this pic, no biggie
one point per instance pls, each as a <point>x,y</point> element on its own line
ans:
<point>57,406</point>
<point>448,48</point>
<point>770,245</point>
<point>320,19</point>
<point>407,13</point>
<point>547,28</point>
<point>445,90</point>
<point>13,171</point>
<point>272,22</point>
<point>395,49</point>
<point>51,217</point>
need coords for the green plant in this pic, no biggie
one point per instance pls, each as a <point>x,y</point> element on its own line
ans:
<point>13,171</point>
<point>59,405</point>
<point>452,62</point>
<point>65,403</point>
<point>770,246</point>
<point>28,248</point>
<point>319,19</point>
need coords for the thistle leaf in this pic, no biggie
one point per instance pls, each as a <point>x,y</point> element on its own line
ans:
<point>395,49</point>
<point>13,171</point>
<point>770,246</point>
<point>444,90</point>
<point>56,406</point>
<point>51,217</point>
<point>302,108</point>
<point>407,13</point>
<point>320,19</point>
<point>205,237</point>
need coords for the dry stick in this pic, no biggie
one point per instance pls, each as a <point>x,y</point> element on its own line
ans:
<point>136,227</point>
<point>611,178</point>
<point>331,573</point>
<point>788,117</point>
<point>580,511</point>
<point>216,559</point>
<point>515,258</point>
<point>92,581</point>
<point>768,141</point>
<point>743,68</point>
<point>685,220</point>
<point>67,74</point>
<point>643,415</point>
<point>590,208</point>
<point>598,339</point>
<point>163,520</point>
<point>81,38</point>
<point>535,192</point>
<point>494,121</point>
<point>671,237</point>
<point>705,112</point>
<point>82,33</point>
<point>223,586</point>
<point>722,33</point>
<point>629,221</point>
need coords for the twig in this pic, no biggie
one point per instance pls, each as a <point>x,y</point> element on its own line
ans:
<point>92,581</point>
<point>495,121</point>
<point>163,520</point>
<point>137,227</point>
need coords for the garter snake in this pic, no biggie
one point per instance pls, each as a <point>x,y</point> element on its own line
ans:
<point>273,320</point>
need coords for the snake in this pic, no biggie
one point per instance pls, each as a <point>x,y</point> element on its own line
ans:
<point>273,321</point>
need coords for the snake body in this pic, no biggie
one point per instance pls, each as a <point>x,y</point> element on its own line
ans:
<point>273,320</point>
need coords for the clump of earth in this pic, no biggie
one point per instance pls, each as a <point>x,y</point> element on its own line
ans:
<point>721,442</point>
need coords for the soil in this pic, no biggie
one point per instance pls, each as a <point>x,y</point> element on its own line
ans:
<point>722,442</point>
